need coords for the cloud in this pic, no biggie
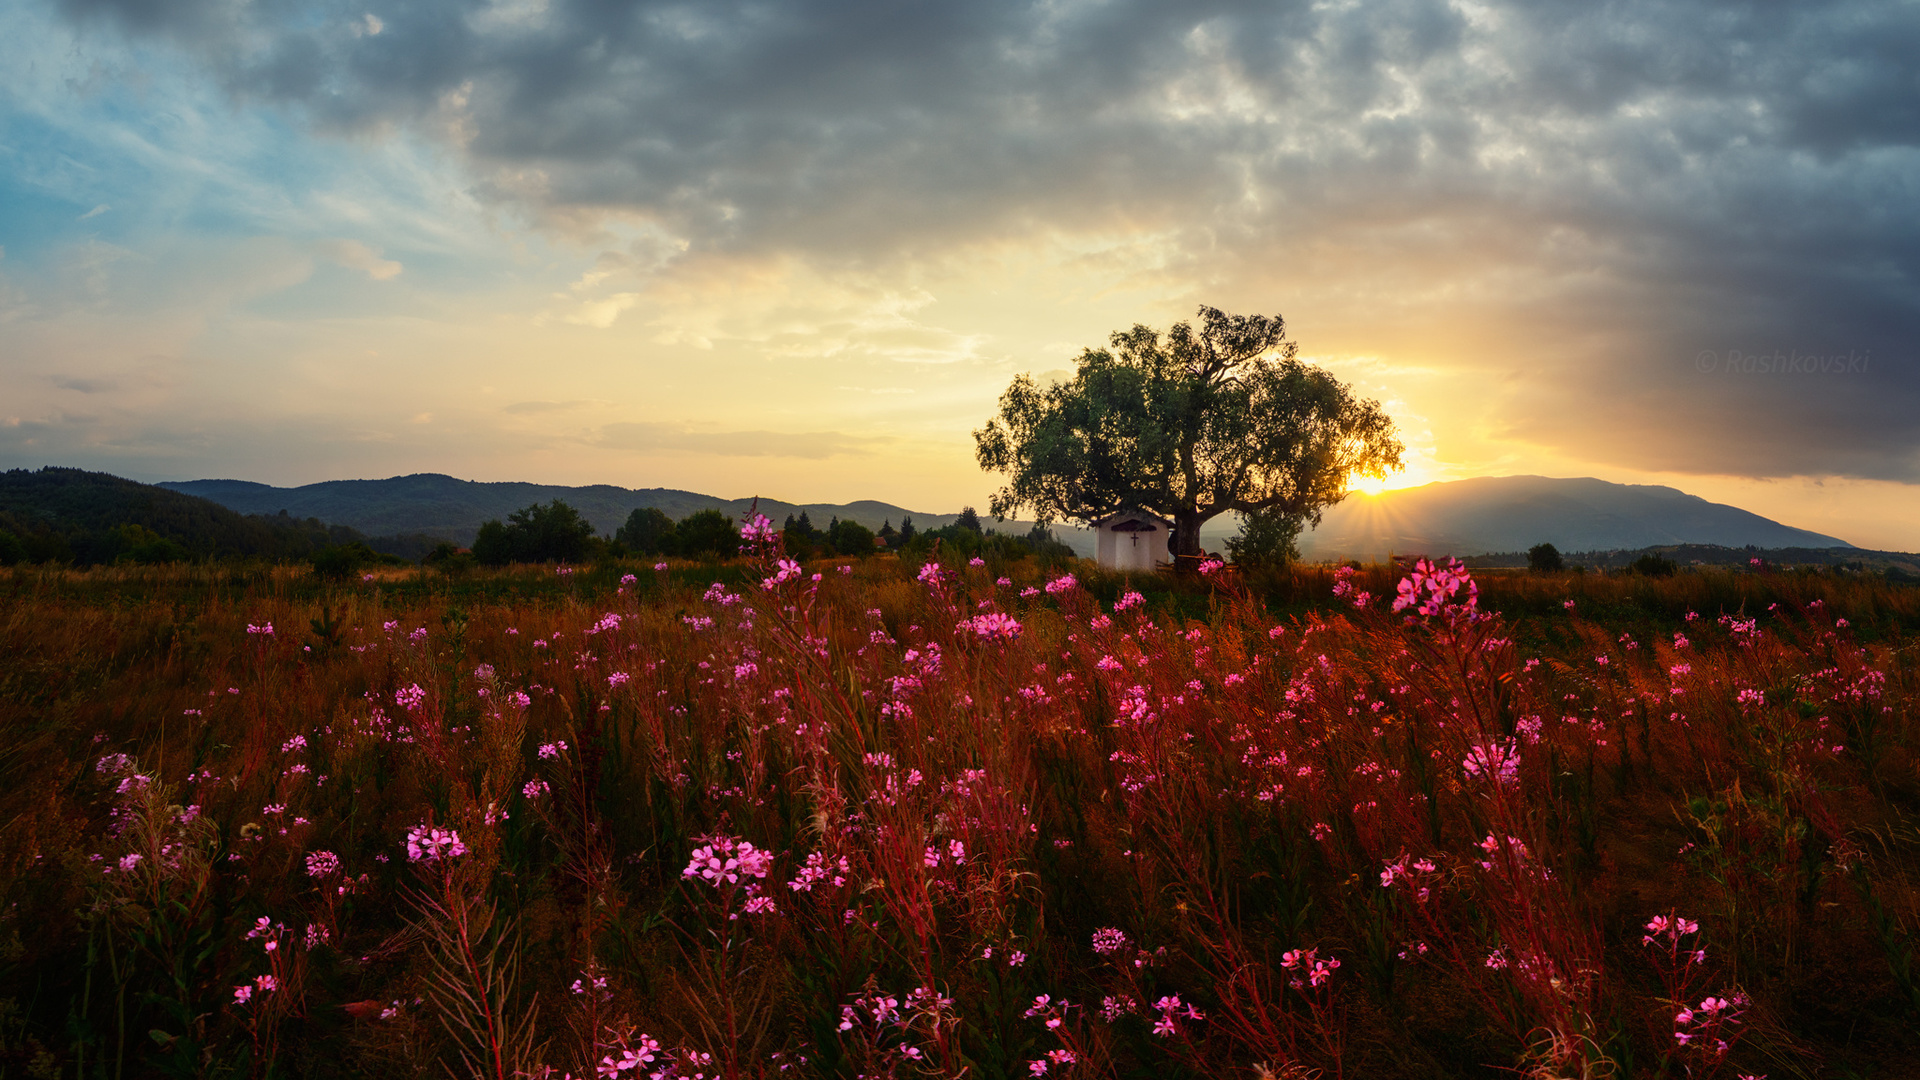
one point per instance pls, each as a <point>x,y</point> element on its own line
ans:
<point>536,408</point>
<point>1566,202</point>
<point>95,212</point>
<point>355,255</point>
<point>688,439</point>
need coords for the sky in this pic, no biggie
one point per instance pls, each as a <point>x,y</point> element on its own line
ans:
<point>799,249</point>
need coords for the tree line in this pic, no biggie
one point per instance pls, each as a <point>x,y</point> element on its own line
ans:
<point>556,532</point>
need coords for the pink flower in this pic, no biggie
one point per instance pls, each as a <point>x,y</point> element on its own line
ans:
<point>787,571</point>
<point>723,858</point>
<point>322,863</point>
<point>1498,761</point>
<point>425,843</point>
<point>993,626</point>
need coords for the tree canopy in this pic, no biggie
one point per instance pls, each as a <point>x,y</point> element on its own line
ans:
<point>551,532</point>
<point>1189,425</point>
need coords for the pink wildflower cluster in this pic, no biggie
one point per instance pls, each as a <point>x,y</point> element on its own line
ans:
<point>1307,966</point>
<point>1417,875</point>
<point>818,871</point>
<point>1436,590</point>
<point>410,698</point>
<point>1063,583</point>
<point>1710,1025</point>
<point>888,1026</point>
<point>427,843</point>
<point>1171,1010</point>
<point>1495,760</point>
<point>644,1056</point>
<point>993,626</point>
<point>264,984</point>
<point>757,533</point>
<point>722,859</point>
<point>786,571</point>
<point>1343,587</point>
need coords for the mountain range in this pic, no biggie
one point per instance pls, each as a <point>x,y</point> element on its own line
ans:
<point>1513,513</point>
<point>445,506</point>
<point>1460,517</point>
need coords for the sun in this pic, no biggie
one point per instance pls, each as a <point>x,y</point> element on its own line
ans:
<point>1414,475</point>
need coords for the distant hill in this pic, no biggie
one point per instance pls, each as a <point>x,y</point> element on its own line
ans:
<point>1898,565</point>
<point>446,506</point>
<point>89,517</point>
<point>1513,513</point>
<point>1462,517</point>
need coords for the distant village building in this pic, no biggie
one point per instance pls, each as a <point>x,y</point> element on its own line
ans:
<point>1133,540</point>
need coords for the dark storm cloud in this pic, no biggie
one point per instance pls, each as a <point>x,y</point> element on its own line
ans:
<point>1660,181</point>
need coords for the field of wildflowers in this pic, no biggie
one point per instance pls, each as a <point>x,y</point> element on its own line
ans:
<point>886,819</point>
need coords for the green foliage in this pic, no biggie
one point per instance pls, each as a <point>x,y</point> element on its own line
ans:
<point>1544,559</point>
<point>1190,426</point>
<point>11,549</point>
<point>648,531</point>
<point>550,532</point>
<point>968,520</point>
<point>342,561</point>
<point>449,559</point>
<point>139,544</point>
<point>850,538</point>
<point>706,534</point>
<point>1266,539</point>
<point>1651,565</point>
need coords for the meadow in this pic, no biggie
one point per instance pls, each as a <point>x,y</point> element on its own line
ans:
<point>886,818</point>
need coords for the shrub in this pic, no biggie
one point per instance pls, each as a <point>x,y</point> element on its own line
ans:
<point>648,531</point>
<point>554,532</point>
<point>1266,539</point>
<point>706,534</point>
<point>1651,565</point>
<point>340,561</point>
<point>1544,559</point>
<point>850,538</point>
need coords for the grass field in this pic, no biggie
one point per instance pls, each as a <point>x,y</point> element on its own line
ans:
<point>748,820</point>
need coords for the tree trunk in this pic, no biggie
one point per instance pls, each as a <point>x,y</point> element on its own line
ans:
<point>1186,537</point>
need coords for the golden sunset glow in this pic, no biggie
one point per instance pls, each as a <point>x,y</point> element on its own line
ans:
<point>770,266</point>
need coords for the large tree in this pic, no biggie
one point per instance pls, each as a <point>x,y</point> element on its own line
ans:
<point>1190,425</point>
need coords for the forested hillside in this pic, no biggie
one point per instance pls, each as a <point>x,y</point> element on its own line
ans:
<point>71,515</point>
